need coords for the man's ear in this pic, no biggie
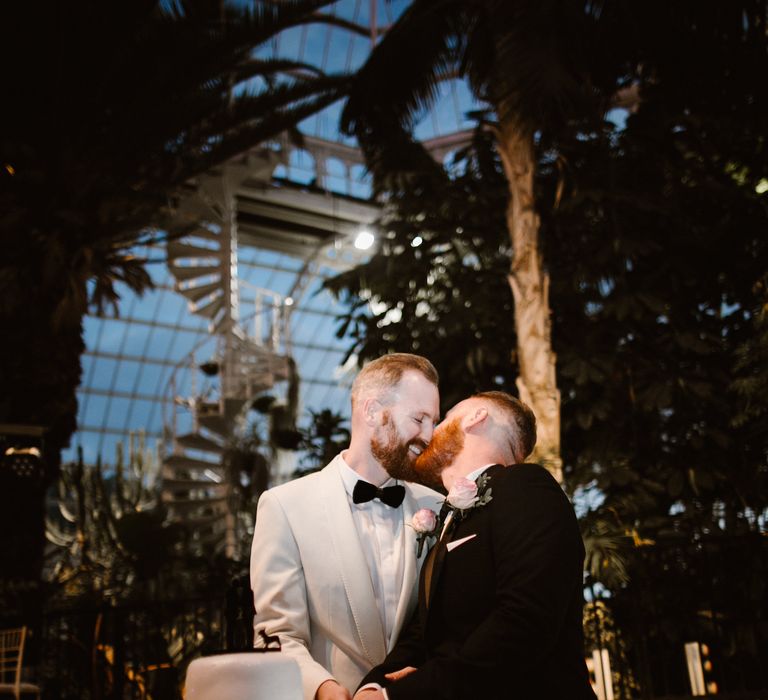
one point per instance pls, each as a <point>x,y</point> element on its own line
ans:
<point>474,419</point>
<point>373,412</point>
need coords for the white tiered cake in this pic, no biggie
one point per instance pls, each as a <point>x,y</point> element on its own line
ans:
<point>243,676</point>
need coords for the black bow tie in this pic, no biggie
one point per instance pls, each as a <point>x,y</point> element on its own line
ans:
<point>391,495</point>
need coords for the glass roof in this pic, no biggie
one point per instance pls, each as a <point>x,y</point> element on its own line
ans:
<point>130,360</point>
<point>135,364</point>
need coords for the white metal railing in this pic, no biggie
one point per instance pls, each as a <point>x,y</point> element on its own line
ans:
<point>268,319</point>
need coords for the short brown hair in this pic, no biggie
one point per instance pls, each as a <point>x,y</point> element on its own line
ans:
<point>522,421</point>
<point>385,372</point>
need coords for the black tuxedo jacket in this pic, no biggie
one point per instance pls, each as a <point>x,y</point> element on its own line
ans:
<point>503,618</point>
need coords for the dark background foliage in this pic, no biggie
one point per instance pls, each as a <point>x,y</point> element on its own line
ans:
<point>110,109</point>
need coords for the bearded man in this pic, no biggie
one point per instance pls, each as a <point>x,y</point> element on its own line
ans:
<point>334,566</point>
<point>500,596</point>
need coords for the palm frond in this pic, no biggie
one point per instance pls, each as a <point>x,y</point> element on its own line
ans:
<point>402,75</point>
<point>538,69</point>
<point>266,67</point>
<point>606,548</point>
<point>248,107</point>
<point>240,139</point>
<point>323,18</point>
<point>397,161</point>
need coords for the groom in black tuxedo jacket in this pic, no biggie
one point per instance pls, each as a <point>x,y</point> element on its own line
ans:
<point>500,597</point>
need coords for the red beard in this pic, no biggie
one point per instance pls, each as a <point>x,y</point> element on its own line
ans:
<point>440,453</point>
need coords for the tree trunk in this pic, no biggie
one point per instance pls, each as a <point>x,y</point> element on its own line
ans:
<point>536,381</point>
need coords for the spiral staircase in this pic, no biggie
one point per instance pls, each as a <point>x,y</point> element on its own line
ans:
<point>197,488</point>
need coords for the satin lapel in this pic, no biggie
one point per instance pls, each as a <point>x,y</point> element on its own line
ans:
<point>410,568</point>
<point>440,552</point>
<point>426,570</point>
<point>352,567</point>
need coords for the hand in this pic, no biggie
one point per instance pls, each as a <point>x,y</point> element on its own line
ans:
<point>397,675</point>
<point>331,690</point>
<point>369,694</point>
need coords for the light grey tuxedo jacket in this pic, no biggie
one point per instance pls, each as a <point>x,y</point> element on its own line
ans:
<point>311,584</point>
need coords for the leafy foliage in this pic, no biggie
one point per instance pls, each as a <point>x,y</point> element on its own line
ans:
<point>120,576</point>
<point>543,64</point>
<point>648,324</point>
<point>654,233</point>
<point>751,383</point>
<point>322,440</point>
<point>109,538</point>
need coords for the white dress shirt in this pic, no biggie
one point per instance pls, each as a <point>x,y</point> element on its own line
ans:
<point>473,476</point>
<point>381,534</point>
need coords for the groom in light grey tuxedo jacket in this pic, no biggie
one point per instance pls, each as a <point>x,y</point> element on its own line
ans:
<point>334,566</point>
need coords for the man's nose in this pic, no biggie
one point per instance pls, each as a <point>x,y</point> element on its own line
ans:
<point>427,429</point>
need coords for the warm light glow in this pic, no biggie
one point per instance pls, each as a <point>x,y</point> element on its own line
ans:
<point>32,451</point>
<point>11,170</point>
<point>364,240</point>
<point>762,186</point>
<point>416,242</point>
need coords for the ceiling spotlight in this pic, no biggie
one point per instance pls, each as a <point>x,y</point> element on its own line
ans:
<point>288,301</point>
<point>416,242</point>
<point>364,240</point>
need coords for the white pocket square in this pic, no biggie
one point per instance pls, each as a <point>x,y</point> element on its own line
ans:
<point>452,545</point>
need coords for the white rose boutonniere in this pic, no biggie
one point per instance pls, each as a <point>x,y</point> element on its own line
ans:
<point>424,522</point>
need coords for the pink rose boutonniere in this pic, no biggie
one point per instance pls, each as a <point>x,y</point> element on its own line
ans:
<point>466,494</point>
<point>463,494</point>
<point>424,522</point>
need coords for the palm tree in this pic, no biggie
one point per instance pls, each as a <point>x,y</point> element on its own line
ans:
<point>537,65</point>
<point>111,107</point>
